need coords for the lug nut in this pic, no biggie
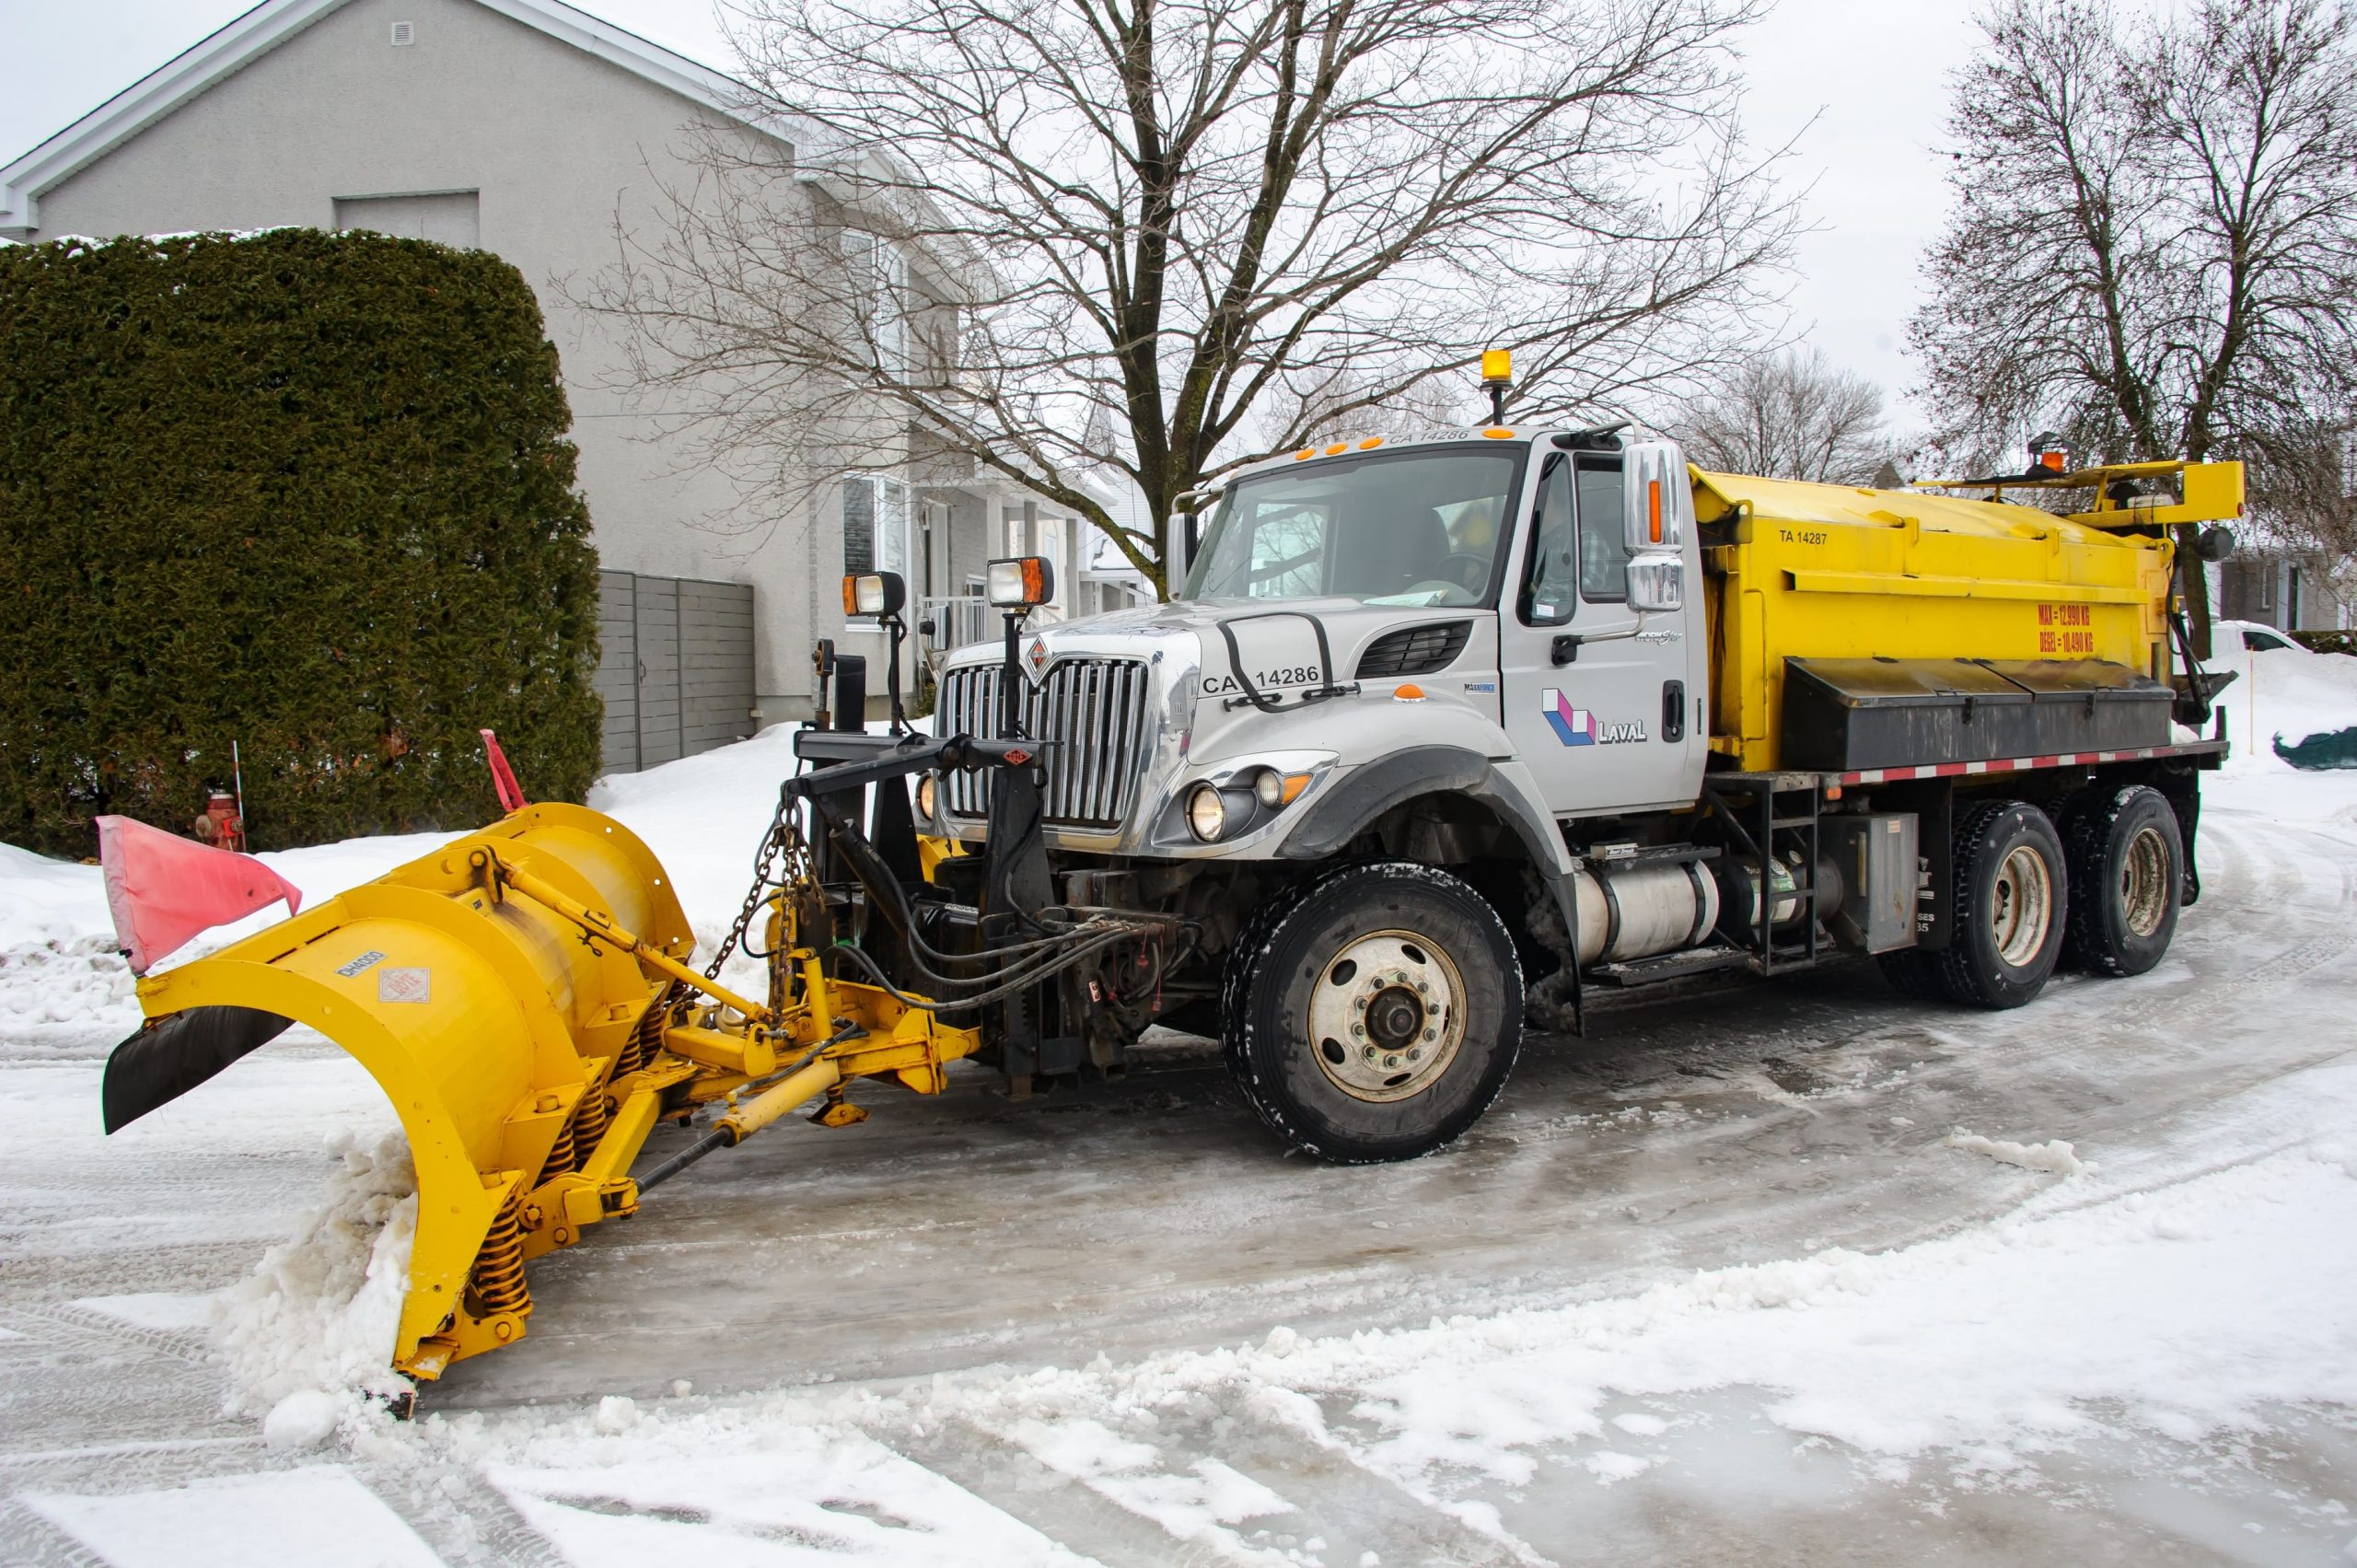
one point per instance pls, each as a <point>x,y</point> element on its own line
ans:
<point>1432,1034</point>
<point>1415,1053</point>
<point>1432,1007</point>
<point>1391,1062</point>
<point>1358,1031</point>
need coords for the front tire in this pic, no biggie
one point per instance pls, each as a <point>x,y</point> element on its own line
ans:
<point>1375,1015</point>
<point>2127,863</point>
<point>2011,903</point>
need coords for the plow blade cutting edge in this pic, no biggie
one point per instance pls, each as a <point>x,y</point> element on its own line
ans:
<point>522,1054</point>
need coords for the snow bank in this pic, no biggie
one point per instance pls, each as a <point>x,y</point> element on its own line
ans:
<point>310,1331</point>
<point>2288,692</point>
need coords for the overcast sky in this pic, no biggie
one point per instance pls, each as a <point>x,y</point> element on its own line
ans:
<point>1860,83</point>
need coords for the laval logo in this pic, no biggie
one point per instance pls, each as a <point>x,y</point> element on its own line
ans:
<point>1577,726</point>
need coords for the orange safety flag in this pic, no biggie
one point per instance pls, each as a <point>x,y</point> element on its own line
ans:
<point>163,889</point>
<point>503,777</point>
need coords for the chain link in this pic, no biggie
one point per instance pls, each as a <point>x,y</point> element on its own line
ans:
<point>782,829</point>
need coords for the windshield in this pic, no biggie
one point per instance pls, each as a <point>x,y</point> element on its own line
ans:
<point>1414,528</point>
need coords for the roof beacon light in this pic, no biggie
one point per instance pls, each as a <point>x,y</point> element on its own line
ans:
<point>1497,375</point>
<point>1021,581</point>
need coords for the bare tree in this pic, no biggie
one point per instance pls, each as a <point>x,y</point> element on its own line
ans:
<point>1203,228</point>
<point>1790,415</point>
<point>2155,233</point>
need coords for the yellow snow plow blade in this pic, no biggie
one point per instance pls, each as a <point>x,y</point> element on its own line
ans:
<point>522,996</point>
<point>510,1043</point>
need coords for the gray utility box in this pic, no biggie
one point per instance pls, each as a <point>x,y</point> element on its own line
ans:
<point>1879,873</point>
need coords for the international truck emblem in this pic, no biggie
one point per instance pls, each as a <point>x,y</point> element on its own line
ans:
<point>1036,656</point>
<point>1577,726</point>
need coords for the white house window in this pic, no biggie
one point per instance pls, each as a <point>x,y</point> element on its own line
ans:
<point>880,281</point>
<point>875,525</point>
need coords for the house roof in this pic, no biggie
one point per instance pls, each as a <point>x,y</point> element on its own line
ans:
<point>272,23</point>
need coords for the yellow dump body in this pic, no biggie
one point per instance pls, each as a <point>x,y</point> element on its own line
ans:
<point>1827,572</point>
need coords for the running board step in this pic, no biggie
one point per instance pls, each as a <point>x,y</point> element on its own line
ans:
<point>1669,966</point>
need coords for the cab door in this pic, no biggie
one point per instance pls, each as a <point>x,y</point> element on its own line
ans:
<point>1604,699</point>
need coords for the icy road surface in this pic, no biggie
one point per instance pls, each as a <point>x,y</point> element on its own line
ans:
<point>1793,1273</point>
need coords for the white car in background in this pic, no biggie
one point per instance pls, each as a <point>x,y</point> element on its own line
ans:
<point>2252,636</point>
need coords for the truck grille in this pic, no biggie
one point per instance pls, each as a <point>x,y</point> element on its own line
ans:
<point>1091,713</point>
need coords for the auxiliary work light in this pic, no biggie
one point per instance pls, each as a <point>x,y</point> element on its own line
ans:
<point>1021,581</point>
<point>874,593</point>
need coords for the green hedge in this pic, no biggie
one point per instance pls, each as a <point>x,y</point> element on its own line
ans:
<point>308,492</point>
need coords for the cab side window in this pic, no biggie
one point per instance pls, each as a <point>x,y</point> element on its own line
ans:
<point>1551,574</point>
<point>1604,538</point>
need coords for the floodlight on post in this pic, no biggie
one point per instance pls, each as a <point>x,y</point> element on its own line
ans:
<point>882,595</point>
<point>1016,586</point>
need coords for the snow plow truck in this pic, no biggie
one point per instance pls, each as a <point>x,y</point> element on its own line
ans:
<point>1430,728</point>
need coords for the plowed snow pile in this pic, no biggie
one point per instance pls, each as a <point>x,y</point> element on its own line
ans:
<point>312,1328</point>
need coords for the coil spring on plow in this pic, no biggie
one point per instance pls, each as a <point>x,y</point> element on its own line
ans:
<point>561,1160</point>
<point>498,1277</point>
<point>648,1038</point>
<point>589,1119</point>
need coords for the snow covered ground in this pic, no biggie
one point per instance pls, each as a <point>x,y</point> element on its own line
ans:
<point>1799,1272</point>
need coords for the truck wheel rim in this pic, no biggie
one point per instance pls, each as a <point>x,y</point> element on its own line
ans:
<point>2144,882</point>
<point>1386,1015</point>
<point>2023,907</point>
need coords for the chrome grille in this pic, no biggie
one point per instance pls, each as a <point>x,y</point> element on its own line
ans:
<point>1091,714</point>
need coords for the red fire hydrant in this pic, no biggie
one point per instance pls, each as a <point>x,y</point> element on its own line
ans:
<point>219,825</point>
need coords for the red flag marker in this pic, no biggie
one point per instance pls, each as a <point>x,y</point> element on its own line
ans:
<point>503,777</point>
<point>162,890</point>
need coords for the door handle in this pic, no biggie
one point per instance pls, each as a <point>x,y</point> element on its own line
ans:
<point>1673,710</point>
<point>1566,649</point>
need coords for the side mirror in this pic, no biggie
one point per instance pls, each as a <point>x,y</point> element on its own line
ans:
<point>2214,543</point>
<point>1657,582</point>
<point>1658,502</point>
<point>1183,534</point>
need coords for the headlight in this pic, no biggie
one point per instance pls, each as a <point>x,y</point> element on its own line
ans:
<point>1206,813</point>
<point>924,796</point>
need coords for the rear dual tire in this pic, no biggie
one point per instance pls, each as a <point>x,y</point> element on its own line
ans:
<point>2127,857</point>
<point>1373,1014</point>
